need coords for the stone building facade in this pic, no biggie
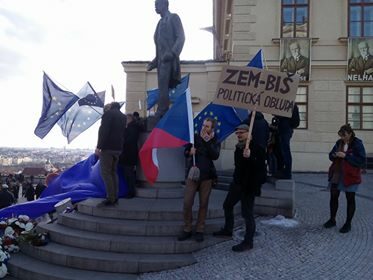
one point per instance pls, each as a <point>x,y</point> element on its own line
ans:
<point>328,33</point>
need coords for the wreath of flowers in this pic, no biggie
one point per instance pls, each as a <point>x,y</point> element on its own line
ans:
<point>15,231</point>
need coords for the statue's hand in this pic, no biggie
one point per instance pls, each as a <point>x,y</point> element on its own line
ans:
<point>150,67</point>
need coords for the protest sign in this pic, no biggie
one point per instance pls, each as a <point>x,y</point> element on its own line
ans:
<point>257,89</point>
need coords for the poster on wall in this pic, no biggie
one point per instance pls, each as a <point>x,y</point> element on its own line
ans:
<point>295,57</point>
<point>360,59</point>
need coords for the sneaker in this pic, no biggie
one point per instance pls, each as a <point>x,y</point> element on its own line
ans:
<point>223,232</point>
<point>184,235</point>
<point>199,236</point>
<point>346,228</point>
<point>330,223</point>
<point>243,246</point>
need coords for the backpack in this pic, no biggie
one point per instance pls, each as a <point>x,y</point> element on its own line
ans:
<point>295,120</point>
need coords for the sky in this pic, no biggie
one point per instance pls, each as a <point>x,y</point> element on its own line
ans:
<point>75,41</point>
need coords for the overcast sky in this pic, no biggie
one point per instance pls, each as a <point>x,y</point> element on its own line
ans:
<point>75,41</point>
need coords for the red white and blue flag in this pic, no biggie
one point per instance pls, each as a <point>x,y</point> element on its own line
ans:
<point>175,129</point>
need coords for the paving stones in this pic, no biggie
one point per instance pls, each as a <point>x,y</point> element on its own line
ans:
<point>305,252</point>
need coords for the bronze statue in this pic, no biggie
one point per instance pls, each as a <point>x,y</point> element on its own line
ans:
<point>169,41</point>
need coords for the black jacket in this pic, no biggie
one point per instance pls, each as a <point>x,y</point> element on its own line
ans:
<point>260,131</point>
<point>206,152</point>
<point>111,132</point>
<point>250,173</point>
<point>130,150</point>
<point>6,198</point>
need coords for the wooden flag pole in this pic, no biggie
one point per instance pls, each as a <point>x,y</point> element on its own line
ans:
<point>250,129</point>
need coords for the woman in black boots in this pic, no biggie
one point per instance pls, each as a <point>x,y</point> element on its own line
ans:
<point>348,158</point>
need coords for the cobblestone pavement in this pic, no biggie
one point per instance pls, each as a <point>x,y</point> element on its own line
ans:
<point>307,251</point>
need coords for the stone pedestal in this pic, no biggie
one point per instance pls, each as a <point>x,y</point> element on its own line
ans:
<point>171,163</point>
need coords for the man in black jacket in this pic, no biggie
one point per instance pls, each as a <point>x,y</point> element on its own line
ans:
<point>206,149</point>
<point>128,158</point>
<point>249,175</point>
<point>109,147</point>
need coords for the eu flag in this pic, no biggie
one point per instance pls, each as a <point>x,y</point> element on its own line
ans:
<point>55,103</point>
<point>226,120</point>
<point>153,94</point>
<point>83,114</point>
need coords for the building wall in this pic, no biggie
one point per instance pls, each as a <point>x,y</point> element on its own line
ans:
<point>256,24</point>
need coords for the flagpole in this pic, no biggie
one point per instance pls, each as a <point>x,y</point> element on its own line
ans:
<point>253,113</point>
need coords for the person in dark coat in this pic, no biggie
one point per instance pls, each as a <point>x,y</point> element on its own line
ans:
<point>260,132</point>
<point>109,147</point>
<point>15,191</point>
<point>129,157</point>
<point>348,158</point>
<point>206,149</point>
<point>285,130</point>
<point>30,192</point>
<point>169,41</point>
<point>6,197</point>
<point>40,187</point>
<point>249,175</point>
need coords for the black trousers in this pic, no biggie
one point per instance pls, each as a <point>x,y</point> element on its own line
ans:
<point>235,194</point>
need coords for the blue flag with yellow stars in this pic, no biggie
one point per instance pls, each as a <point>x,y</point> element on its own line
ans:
<point>56,102</point>
<point>226,120</point>
<point>83,114</point>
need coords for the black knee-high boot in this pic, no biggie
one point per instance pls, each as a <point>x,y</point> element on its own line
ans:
<point>334,196</point>
<point>351,206</point>
<point>333,204</point>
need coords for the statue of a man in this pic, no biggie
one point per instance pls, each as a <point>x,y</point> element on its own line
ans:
<point>169,41</point>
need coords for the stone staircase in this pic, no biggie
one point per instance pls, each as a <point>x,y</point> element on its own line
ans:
<point>136,236</point>
<point>277,196</point>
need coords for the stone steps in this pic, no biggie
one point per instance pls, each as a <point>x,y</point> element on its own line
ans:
<point>150,209</point>
<point>86,259</point>
<point>131,227</point>
<point>123,244</point>
<point>22,266</point>
<point>138,235</point>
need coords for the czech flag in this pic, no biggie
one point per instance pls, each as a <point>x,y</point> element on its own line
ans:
<point>175,129</point>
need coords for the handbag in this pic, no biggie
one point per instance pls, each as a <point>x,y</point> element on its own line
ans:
<point>351,174</point>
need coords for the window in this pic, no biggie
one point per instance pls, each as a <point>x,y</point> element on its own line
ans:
<point>302,101</point>
<point>294,19</point>
<point>360,18</point>
<point>360,107</point>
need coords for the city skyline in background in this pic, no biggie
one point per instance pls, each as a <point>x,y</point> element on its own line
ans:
<point>75,42</point>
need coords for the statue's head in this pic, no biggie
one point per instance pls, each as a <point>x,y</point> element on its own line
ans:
<point>161,6</point>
